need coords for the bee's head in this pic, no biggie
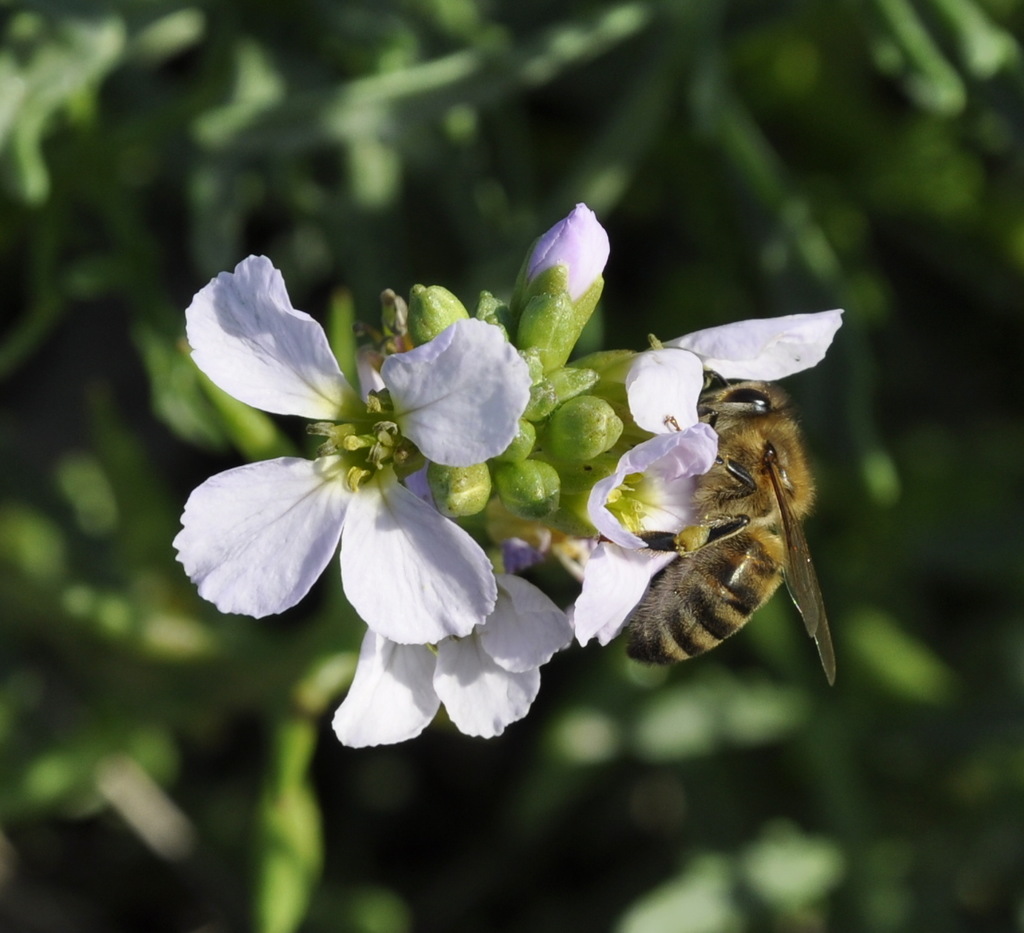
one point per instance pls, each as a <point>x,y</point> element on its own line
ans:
<point>740,401</point>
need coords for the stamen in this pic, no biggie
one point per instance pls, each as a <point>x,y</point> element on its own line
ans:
<point>336,434</point>
<point>379,401</point>
<point>356,476</point>
<point>623,504</point>
<point>356,442</point>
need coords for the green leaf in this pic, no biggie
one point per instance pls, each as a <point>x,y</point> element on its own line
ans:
<point>899,661</point>
<point>289,849</point>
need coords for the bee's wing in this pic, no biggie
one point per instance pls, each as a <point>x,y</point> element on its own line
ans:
<point>801,580</point>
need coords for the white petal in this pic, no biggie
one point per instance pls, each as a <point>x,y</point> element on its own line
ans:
<point>256,538</point>
<point>246,336</point>
<point>459,397</point>
<point>668,464</point>
<point>606,521</point>
<point>663,385</point>
<point>413,575</point>
<point>614,582</point>
<point>670,469</point>
<point>392,696</point>
<point>679,453</point>
<point>368,363</point>
<point>481,698</point>
<point>767,348</point>
<point>526,627</point>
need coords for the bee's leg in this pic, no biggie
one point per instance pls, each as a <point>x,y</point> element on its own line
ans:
<point>697,536</point>
<point>659,540</point>
<point>694,537</point>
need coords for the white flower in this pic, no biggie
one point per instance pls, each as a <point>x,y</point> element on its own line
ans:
<point>651,490</point>
<point>652,487</point>
<point>763,348</point>
<point>666,383</point>
<point>486,680</point>
<point>663,387</point>
<point>255,538</point>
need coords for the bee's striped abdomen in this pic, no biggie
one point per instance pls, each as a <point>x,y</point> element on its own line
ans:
<point>701,599</point>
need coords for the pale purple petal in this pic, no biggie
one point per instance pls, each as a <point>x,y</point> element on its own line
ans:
<point>246,336</point>
<point>579,243</point>
<point>669,464</point>
<point>413,575</point>
<point>663,385</point>
<point>392,697</point>
<point>518,555</point>
<point>417,484</point>
<point>368,362</point>
<point>614,581</point>
<point>670,473</point>
<point>767,348</point>
<point>481,697</point>
<point>526,627</point>
<point>256,538</point>
<point>459,396</point>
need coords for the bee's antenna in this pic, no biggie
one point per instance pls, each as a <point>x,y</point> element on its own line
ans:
<point>711,378</point>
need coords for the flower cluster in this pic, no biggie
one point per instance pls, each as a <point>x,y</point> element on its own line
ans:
<point>458,415</point>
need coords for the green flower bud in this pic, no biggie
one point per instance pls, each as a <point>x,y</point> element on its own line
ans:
<point>431,310</point>
<point>580,476</point>
<point>533,364</point>
<point>570,381</point>
<point>529,489</point>
<point>608,364</point>
<point>551,281</point>
<point>543,401</point>
<point>494,311</point>
<point>394,313</point>
<point>551,325</point>
<point>459,491</point>
<point>522,444</point>
<point>581,429</point>
<point>587,302</point>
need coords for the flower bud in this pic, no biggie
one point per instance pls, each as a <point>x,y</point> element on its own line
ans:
<point>582,428</point>
<point>608,364</point>
<point>543,401</point>
<point>459,491</point>
<point>522,444</point>
<point>529,489</point>
<point>570,381</point>
<point>533,365</point>
<point>394,312</point>
<point>551,325</point>
<point>578,244</point>
<point>494,311</point>
<point>431,310</point>
<point>579,476</point>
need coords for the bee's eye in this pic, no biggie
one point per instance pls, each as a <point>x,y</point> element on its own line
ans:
<point>748,396</point>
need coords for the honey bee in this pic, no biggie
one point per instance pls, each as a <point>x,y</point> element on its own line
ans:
<point>748,537</point>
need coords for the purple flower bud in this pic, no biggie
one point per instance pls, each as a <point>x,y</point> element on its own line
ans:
<point>577,242</point>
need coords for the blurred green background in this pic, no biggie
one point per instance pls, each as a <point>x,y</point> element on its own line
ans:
<point>166,768</point>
